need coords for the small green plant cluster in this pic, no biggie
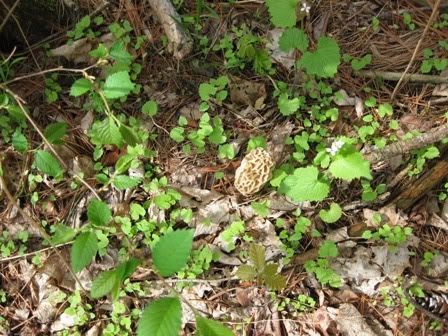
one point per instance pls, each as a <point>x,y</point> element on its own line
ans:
<point>13,244</point>
<point>214,92</point>
<point>394,236</point>
<point>302,303</point>
<point>321,266</point>
<point>242,47</point>
<point>432,62</point>
<point>393,296</point>
<point>261,272</point>
<point>234,231</point>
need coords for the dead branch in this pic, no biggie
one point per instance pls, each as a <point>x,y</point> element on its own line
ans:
<point>395,76</point>
<point>180,43</point>
<point>405,146</point>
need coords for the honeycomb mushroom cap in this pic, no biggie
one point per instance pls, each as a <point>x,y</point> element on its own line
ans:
<point>255,170</point>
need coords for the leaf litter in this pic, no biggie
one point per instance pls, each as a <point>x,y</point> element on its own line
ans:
<point>215,205</point>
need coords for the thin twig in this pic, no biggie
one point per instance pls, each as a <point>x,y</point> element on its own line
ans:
<point>10,11</point>
<point>26,255</point>
<point>417,48</point>
<point>396,76</point>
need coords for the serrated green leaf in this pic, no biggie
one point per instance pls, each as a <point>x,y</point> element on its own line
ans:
<point>349,164</point>
<point>119,53</point>
<point>257,256</point>
<point>305,185</point>
<point>206,327</point>
<point>172,251</point>
<point>282,12</point>
<point>324,61</point>
<point>83,250</point>
<point>288,106</point>
<point>226,151</point>
<point>62,234</point>
<point>161,318</point>
<point>19,141</point>
<point>246,273</point>
<point>98,213</point>
<point>122,182</point>
<point>106,132</point>
<point>80,86</point>
<point>103,284</point>
<point>272,279</point>
<point>128,134</point>
<point>47,163</point>
<point>125,269</point>
<point>55,132</point>
<point>150,108</point>
<point>293,38</point>
<point>331,215</point>
<point>118,85</point>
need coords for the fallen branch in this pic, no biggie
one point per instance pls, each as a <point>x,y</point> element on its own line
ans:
<point>405,146</point>
<point>179,42</point>
<point>395,76</point>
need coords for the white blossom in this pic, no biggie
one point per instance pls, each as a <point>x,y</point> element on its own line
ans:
<point>335,147</point>
<point>305,8</point>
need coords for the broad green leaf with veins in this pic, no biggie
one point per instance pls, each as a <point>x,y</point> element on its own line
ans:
<point>293,38</point>
<point>161,317</point>
<point>349,164</point>
<point>324,61</point>
<point>305,185</point>
<point>283,12</point>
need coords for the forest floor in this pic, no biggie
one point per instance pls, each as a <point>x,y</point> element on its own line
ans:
<point>279,166</point>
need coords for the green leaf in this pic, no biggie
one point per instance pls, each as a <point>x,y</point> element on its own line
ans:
<point>62,234</point>
<point>226,151</point>
<point>47,163</point>
<point>246,273</point>
<point>261,208</point>
<point>206,91</point>
<point>83,250</point>
<point>272,279</point>
<point>305,185</point>
<point>106,132</point>
<point>125,269</point>
<point>80,86</point>
<point>161,318</point>
<point>122,182</point>
<point>257,256</point>
<point>385,110</point>
<point>331,215</point>
<point>119,53</point>
<point>19,141</point>
<point>172,251</point>
<point>283,12</point>
<point>55,132</point>
<point>206,327</point>
<point>324,61</point>
<point>103,284</point>
<point>177,134</point>
<point>349,164</point>
<point>293,38</point>
<point>288,106</point>
<point>129,136</point>
<point>118,85</point>
<point>358,64</point>
<point>150,108</point>
<point>98,213</point>
<point>328,249</point>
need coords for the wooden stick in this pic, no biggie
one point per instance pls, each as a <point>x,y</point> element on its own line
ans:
<point>395,76</point>
<point>179,42</point>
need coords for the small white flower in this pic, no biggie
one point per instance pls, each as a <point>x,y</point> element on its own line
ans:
<point>305,8</point>
<point>335,147</point>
